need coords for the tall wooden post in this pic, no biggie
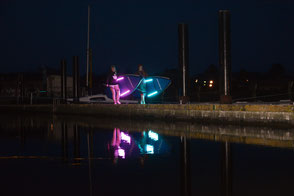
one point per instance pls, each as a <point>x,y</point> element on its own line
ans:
<point>225,56</point>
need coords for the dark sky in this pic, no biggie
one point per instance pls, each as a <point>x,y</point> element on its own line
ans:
<point>127,33</point>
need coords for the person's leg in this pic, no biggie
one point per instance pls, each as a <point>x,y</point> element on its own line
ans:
<point>142,98</point>
<point>117,94</point>
<point>113,141</point>
<point>118,137</point>
<point>143,95</point>
<point>113,94</point>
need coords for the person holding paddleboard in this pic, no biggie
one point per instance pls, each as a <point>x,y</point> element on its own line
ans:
<point>142,87</point>
<point>112,83</point>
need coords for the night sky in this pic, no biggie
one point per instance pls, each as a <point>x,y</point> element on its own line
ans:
<point>128,33</point>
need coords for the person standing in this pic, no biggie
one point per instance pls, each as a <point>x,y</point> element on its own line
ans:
<point>112,83</point>
<point>143,87</point>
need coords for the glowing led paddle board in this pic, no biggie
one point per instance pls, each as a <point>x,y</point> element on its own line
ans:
<point>128,83</point>
<point>154,86</point>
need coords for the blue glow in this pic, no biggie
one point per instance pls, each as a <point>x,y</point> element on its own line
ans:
<point>152,94</point>
<point>148,80</point>
<point>153,135</point>
<point>149,149</point>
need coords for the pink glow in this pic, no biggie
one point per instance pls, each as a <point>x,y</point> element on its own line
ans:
<point>121,153</point>
<point>119,79</point>
<point>124,93</point>
<point>125,137</point>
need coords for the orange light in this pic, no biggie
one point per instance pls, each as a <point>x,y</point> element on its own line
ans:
<point>210,85</point>
<point>211,81</point>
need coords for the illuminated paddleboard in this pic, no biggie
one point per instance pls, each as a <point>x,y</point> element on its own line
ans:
<point>128,83</point>
<point>153,86</point>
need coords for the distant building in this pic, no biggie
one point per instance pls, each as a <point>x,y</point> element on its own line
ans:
<point>19,84</point>
<point>54,86</point>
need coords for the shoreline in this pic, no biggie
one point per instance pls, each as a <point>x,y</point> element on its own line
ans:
<point>238,114</point>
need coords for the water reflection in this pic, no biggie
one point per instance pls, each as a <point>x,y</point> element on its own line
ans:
<point>226,169</point>
<point>136,144</point>
<point>128,154</point>
<point>90,159</point>
<point>185,166</point>
<point>116,148</point>
<point>64,141</point>
<point>76,144</point>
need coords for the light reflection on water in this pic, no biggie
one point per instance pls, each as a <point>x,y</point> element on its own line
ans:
<point>59,156</point>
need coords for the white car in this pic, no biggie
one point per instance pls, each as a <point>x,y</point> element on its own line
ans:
<point>101,98</point>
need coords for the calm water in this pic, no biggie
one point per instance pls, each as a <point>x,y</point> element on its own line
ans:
<point>65,156</point>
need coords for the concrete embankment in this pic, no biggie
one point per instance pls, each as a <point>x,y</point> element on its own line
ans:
<point>261,114</point>
<point>260,135</point>
<point>254,135</point>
